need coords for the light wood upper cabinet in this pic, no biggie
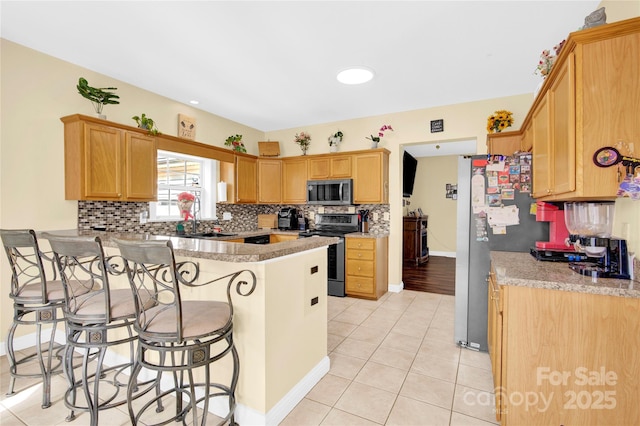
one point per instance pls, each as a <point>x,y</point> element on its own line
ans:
<point>269,181</point>
<point>542,179</point>
<point>590,100</point>
<point>371,177</point>
<point>242,179</point>
<point>553,128</point>
<point>142,167</point>
<point>505,143</point>
<point>108,162</point>
<point>330,167</point>
<point>294,180</point>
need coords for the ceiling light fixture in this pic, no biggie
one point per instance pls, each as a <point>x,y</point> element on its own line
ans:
<point>194,102</point>
<point>355,75</point>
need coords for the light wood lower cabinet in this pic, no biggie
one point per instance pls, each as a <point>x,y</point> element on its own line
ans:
<point>279,238</point>
<point>366,267</point>
<point>564,358</point>
<point>494,339</point>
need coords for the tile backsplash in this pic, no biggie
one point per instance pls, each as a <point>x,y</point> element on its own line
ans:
<point>121,216</point>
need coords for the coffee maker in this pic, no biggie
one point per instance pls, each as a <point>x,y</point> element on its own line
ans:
<point>590,226</point>
<point>288,218</point>
<point>557,248</point>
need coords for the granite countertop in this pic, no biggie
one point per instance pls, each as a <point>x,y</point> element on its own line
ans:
<point>521,269</point>
<point>216,249</point>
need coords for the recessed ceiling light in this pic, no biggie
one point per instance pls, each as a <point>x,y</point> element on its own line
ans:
<point>355,75</point>
<point>194,102</point>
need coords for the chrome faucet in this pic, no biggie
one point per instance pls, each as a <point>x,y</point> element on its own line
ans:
<point>196,210</point>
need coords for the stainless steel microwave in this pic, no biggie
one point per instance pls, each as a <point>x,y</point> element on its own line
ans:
<point>330,192</point>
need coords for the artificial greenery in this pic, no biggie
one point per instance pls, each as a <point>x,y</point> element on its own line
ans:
<point>99,97</point>
<point>146,123</point>
<point>235,141</point>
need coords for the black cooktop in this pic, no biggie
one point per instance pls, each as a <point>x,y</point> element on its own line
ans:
<point>333,225</point>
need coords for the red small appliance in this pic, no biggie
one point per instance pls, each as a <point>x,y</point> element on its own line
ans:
<point>558,233</point>
<point>557,248</point>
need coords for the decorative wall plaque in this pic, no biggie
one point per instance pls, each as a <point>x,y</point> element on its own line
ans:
<point>437,126</point>
<point>186,127</point>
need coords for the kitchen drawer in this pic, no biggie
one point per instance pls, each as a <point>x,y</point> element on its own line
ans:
<point>361,243</point>
<point>360,267</point>
<point>356,284</point>
<point>360,254</point>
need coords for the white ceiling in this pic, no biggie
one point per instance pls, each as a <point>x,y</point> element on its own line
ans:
<point>271,65</point>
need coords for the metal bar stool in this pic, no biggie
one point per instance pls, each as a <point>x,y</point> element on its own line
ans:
<point>179,336</point>
<point>37,301</point>
<point>96,322</point>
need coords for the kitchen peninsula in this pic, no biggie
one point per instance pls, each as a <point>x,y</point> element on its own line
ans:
<point>563,346</point>
<point>280,330</point>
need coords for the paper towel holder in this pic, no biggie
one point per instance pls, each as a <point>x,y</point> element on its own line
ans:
<point>222,192</point>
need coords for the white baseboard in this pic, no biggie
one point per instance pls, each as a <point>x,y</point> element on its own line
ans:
<point>442,253</point>
<point>244,415</point>
<point>29,340</point>
<point>396,288</point>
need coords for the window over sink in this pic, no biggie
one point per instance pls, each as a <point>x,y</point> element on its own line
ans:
<point>184,173</point>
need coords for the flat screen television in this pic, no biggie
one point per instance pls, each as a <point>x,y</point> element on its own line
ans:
<point>409,167</point>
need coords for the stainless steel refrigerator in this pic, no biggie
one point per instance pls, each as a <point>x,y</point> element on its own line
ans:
<point>500,190</point>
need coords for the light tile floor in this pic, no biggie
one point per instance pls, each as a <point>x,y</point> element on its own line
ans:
<point>393,362</point>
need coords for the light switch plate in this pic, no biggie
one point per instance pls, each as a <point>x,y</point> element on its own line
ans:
<point>352,209</point>
<point>226,216</point>
<point>386,216</point>
<point>321,209</point>
<point>376,216</point>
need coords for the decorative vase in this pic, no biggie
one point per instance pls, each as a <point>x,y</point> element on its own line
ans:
<point>333,148</point>
<point>304,149</point>
<point>535,93</point>
<point>374,144</point>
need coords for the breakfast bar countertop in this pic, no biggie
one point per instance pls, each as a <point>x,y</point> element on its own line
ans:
<point>215,249</point>
<point>521,269</point>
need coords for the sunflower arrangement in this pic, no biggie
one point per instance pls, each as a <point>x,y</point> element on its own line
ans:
<point>499,121</point>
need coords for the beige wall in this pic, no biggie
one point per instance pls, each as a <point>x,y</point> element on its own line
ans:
<point>36,90</point>
<point>429,193</point>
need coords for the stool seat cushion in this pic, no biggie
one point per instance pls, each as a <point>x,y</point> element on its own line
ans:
<point>199,318</point>
<point>32,293</point>
<point>92,306</point>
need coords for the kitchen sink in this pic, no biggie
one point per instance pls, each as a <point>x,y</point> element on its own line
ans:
<point>207,235</point>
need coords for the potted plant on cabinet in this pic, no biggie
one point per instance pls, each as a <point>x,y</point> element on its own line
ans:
<point>235,141</point>
<point>334,140</point>
<point>99,97</point>
<point>146,123</point>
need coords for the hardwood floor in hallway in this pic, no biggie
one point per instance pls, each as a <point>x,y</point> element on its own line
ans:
<point>438,275</point>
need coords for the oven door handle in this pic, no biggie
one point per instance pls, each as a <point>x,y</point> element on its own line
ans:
<point>340,191</point>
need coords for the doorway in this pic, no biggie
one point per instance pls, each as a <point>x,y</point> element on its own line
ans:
<point>436,175</point>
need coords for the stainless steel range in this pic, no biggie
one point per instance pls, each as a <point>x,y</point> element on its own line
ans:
<point>334,225</point>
